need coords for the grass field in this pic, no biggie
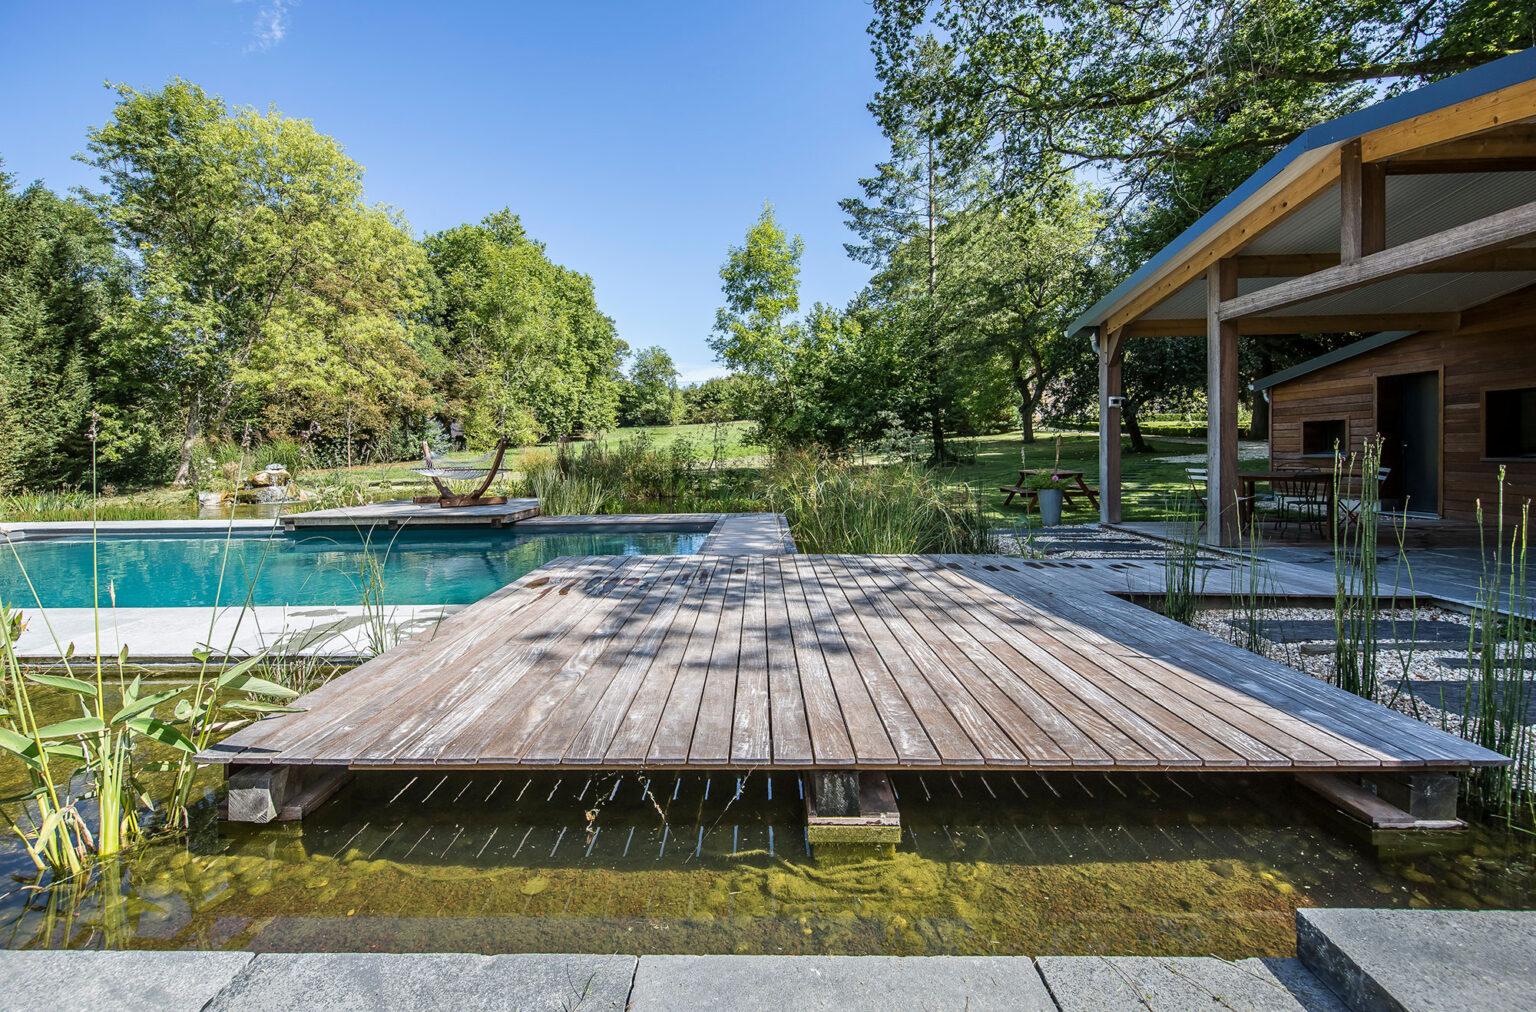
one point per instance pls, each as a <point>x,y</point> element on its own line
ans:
<point>1151,483</point>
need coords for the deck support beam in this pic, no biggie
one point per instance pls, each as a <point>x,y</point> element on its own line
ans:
<point>1390,800</point>
<point>1221,491</point>
<point>1111,391</point>
<point>850,806</point>
<point>263,794</point>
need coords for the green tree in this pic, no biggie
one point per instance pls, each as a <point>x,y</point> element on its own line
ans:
<point>528,352</point>
<point>56,269</point>
<point>246,228</point>
<point>652,396</point>
<point>756,331</point>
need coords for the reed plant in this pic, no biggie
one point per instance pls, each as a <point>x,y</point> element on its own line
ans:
<point>842,507</point>
<point>1499,692</point>
<point>1356,585</point>
<point>1183,578</point>
<point>1252,596</point>
<point>88,792</point>
<point>72,505</point>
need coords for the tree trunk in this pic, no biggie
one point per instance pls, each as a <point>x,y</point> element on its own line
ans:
<point>188,442</point>
<point>1258,428</point>
<point>1027,422</point>
<point>1132,429</point>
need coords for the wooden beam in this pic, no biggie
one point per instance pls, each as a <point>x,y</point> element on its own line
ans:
<point>1295,265</point>
<point>1447,166</point>
<point>1482,114</point>
<point>1497,230</point>
<point>1517,141</point>
<point>1362,205</point>
<point>1221,489</point>
<point>1111,357</point>
<point>1308,184</point>
<point>1266,325</point>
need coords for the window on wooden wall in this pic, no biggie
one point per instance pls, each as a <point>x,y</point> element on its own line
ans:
<point>1509,422</point>
<point>1320,437</point>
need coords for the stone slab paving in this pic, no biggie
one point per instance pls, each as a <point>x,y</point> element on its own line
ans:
<point>1451,695</point>
<point>91,981</point>
<point>776,983</point>
<point>1183,984</point>
<point>1379,960</point>
<point>363,982</point>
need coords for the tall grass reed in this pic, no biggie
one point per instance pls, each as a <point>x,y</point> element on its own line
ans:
<point>1183,578</point>
<point>1356,588</point>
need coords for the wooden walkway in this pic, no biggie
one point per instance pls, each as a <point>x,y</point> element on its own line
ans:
<point>832,662</point>
<point>400,512</point>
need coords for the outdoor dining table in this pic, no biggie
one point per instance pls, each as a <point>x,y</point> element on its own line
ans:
<point>1250,480</point>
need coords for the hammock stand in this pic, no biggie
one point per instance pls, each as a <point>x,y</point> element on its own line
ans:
<point>469,471</point>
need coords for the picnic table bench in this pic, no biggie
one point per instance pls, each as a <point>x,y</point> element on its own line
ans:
<point>1072,486</point>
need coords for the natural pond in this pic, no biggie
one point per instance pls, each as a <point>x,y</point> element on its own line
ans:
<point>635,862</point>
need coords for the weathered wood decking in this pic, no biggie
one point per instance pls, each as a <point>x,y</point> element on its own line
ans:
<point>828,662</point>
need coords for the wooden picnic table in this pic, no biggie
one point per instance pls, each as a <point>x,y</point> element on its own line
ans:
<point>1068,490</point>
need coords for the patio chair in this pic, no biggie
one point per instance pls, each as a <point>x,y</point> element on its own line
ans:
<point>1353,512</point>
<point>482,470</point>
<point>1302,499</point>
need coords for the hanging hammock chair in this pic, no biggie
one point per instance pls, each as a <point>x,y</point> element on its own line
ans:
<point>462,483</point>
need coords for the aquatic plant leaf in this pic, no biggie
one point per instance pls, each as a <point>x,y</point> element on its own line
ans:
<point>65,750</point>
<point>70,728</point>
<point>22,747</point>
<point>259,686</point>
<point>166,734</point>
<point>256,706</point>
<point>74,685</point>
<point>145,705</point>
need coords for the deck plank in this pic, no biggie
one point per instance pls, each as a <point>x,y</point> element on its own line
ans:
<point>751,720</point>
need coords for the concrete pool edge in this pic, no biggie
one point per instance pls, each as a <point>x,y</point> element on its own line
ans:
<point>341,634</point>
<point>227,980</point>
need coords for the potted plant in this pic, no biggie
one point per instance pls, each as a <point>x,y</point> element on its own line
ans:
<point>1048,492</point>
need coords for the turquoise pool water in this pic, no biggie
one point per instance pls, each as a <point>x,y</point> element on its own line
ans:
<point>447,567</point>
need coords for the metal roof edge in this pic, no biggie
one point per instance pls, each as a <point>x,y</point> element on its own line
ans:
<point>1333,357</point>
<point>1490,77</point>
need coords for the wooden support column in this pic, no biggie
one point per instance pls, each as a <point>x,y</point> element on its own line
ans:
<point>1111,356</point>
<point>849,806</point>
<point>1221,519</point>
<point>281,793</point>
<point>1363,203</point>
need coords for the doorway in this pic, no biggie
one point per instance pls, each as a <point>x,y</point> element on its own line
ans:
<point>1408,418</point>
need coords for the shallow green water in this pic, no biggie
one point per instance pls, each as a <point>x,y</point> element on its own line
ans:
<point>303,568</point>
<point>989,864</point>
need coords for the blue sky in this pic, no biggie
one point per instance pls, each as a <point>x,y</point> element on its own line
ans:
<point>637,140</point>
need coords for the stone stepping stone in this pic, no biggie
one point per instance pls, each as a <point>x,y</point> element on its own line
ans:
<point>1425,634</point>
<point>1451,695</point>
<point>1105,547</point>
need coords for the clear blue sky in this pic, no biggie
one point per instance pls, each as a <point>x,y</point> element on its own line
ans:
<point>637,140</point>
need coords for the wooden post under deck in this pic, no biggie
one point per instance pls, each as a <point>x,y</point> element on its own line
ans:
<point>1111,357</point>
<point>1222,520</point>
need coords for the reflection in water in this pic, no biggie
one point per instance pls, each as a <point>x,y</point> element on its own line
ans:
<point>1001,863</point>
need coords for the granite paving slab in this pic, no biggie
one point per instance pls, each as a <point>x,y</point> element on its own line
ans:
<point>1181,984</point>
<point>1458,695</point>
<point>802,983</point>
<point>339,982</point>
<point>1462,960</point>
<point>87,981</point>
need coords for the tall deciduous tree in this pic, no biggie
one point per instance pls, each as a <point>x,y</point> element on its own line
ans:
<point>757,331</point>
<point>652,396</point>
<point>904,215</point>
<point>242,225</point>
<point>529,354</point>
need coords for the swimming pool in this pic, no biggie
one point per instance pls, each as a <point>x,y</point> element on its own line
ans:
<point>416,567</point>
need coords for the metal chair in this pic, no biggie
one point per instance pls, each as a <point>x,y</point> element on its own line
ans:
<point>1353,512</point>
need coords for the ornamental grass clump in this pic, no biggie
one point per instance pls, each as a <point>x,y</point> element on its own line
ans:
<point>1356,590</point>
<point>838,507</point>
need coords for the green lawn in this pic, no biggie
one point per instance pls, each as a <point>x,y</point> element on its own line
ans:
<point>1149,484</point>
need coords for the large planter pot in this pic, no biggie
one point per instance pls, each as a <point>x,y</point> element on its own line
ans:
<point>1050,506</point>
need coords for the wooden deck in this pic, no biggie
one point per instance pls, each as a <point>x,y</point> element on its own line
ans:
<point>399,512</point>
<point>832,662</point>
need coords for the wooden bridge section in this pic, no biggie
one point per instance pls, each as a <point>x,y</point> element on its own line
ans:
<point>832,663</point>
